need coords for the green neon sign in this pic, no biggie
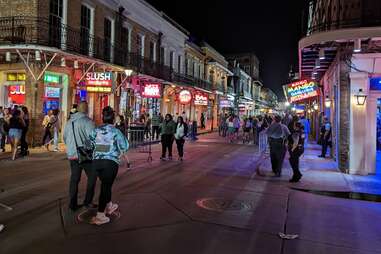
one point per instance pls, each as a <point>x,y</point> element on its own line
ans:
<point>52,78</point>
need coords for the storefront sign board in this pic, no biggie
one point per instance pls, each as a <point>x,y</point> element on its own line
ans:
<point>16,77</point>
<point>151,90</point>
<point>201,99</point>
<point>302,90</point>
<point>16,94</point>
<point>103,79</point>
<point>185,97</point>
<point>52,78</point>
<point>52,92</point>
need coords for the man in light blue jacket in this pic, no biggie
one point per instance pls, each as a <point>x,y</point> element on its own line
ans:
<point>83,127</point>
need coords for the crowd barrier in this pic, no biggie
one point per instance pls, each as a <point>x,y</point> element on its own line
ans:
<point>263,142</point>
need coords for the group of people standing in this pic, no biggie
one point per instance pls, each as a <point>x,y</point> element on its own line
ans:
<point>173,131</point>
<point>97,151</point>
<point>282,137</point>
<point>14,125</point>
<point>52,127</point>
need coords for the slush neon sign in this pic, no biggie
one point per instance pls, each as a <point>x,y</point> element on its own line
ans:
<point>99,79</point>
<point>302,90</point>
<point>151,90</point>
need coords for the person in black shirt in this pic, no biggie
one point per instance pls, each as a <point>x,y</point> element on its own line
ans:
<point>24,144</point>
<point>296,149</point>
<point>16,125</point>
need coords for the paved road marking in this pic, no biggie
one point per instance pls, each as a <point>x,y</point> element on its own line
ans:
<point>8,208</point>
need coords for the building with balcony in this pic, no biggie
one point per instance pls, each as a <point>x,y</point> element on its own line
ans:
<point>216,72</point>
<point>248,62</point>
<point>341,49</point>
<point>55,53</point>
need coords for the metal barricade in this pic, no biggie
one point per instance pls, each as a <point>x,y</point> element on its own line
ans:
<point>140,140</point>
<point>263,142</point>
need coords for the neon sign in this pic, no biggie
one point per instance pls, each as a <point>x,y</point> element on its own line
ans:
<point>52,78</point>
<point>16,94</point>
<point>99,79</point>
<point>98,89</point>
<point>151,90</point>
<point>302,90</point>
<point>201,99</point>
<point>375,83</point>
<point>185,96</point>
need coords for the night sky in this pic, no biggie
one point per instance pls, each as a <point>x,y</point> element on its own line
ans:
<point>271,29</point>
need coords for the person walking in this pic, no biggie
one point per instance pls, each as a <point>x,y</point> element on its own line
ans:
<point>77,135</point>
<point>181,133</point>
<point>155,122</point>
<point>56,128</point>
<point>168,130</point>
<point>3,131</point>
<point>109,146</point>
<point>231,129</point>
<point>325,136</point>
<point>202,120</point>
<point>16,125</point>
<point>24,144</point>
<point>307,128</point>
<point>237,125</point>
<point>296,149</point>
<point>147,127</point>
<point>277,134</point>
<point>46,139</point>
<point>120,124</point>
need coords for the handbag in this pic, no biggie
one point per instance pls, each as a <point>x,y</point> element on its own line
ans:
<point>85,154</point>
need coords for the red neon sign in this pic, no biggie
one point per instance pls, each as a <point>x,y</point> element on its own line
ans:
<point>185,97</point>
<point>16,94</point>
<point>151,90</point>
<point>302,90</point>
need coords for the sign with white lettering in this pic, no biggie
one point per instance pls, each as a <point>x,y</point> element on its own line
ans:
<point>201,99</point>
<point>185,97</point>
<point>151,90</point>
<point>99,79</point>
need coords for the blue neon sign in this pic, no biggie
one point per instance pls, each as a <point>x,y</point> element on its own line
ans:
<point>375,84</point>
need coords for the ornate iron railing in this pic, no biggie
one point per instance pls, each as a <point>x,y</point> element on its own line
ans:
<point>50,33</point>
<point>366,13</point>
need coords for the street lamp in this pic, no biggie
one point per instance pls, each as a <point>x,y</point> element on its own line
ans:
<point>287,104</point>
<point>361,97</point>
<point>316,107</point>
<point>327,102</point>
<point>128,72</point>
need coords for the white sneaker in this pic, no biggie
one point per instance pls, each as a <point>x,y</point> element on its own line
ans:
<point>100,219</point>
<point>1,227</point>
<point>111,207</point>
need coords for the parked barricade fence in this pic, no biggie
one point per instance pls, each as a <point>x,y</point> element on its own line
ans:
<point>263,142</point>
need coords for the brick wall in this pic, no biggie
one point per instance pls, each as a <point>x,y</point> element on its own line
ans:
<point>18,8</point>
<point>345,100</point>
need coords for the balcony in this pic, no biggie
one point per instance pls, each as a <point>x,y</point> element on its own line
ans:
<point>187,80</point>
<point>367,13</point>
<point>42,32</point>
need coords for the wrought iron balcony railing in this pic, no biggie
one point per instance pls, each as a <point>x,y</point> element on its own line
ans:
<point>50,33</point>
<point>327,18</point>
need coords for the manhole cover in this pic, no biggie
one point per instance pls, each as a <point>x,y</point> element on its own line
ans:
<point>85,216</point>
<point>223,205</point>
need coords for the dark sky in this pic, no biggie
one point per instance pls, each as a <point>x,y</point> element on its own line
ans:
<point>270,28</point>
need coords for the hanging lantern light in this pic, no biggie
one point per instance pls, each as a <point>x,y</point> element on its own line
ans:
<point>360,97</point>
<point>316,107</point>
<point>8,56</point>
<point>327,102</point>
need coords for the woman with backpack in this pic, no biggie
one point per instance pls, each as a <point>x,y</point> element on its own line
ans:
<point>181,133</point>
<point>109,145</point>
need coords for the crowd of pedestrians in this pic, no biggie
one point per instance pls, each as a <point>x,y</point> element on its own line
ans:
<point>14,125</point>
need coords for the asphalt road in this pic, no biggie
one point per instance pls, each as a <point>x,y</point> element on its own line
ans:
<point>213,202</point>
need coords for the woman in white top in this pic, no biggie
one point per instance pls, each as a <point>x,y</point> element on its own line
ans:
<point>181,132</point>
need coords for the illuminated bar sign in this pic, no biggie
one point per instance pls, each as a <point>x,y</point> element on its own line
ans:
<point>185,97</point>
<point>98,89</point>
<point>375,84</point>
<point>302,90</point>
<point>16,77</point>
<point>52,78</point>
<point>201,99</point>
<point>99,79</point>
<point>151,90</point>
